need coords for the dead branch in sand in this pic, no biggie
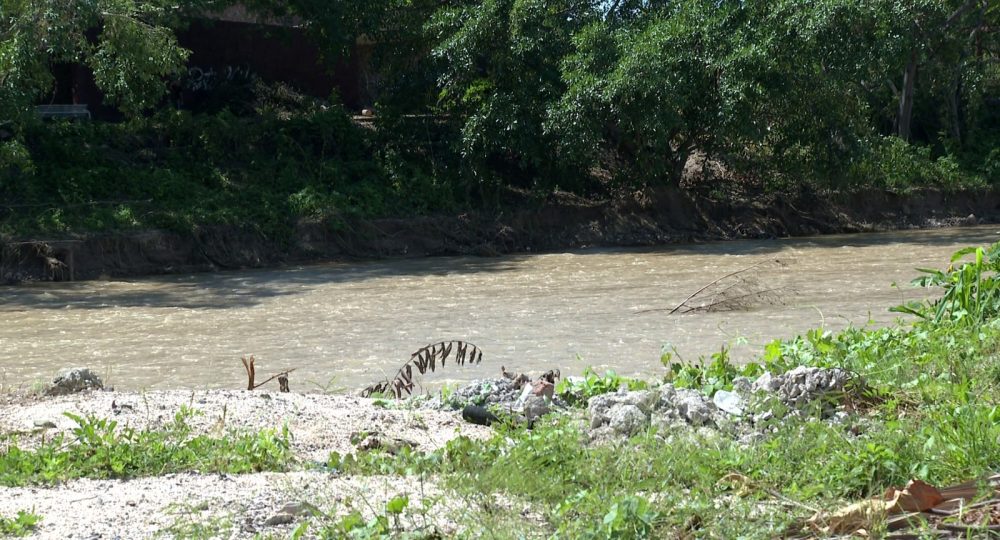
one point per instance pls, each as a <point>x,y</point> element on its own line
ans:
<point>248,365</point>
<point>426,359</point>
<point>741,289</point>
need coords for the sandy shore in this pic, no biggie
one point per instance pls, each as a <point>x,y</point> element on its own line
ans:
<point>234,506</point>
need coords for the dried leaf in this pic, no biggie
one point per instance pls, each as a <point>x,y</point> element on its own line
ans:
<point>851,518</point>
<point>917,496</point>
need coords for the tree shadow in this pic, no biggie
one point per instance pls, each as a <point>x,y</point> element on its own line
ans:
<point>248,288</point>
<point>233,289</point>
<point>980,235</point>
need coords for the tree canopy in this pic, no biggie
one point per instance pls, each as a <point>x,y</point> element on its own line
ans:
<point>542,93</point>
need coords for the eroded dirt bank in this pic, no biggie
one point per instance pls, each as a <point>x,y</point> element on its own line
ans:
<point>562,222</point>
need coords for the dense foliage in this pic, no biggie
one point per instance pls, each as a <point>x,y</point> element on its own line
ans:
<point>478,96</point>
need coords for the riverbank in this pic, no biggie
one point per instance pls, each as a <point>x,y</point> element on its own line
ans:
<point>666,216</point>
<point>179,504</point>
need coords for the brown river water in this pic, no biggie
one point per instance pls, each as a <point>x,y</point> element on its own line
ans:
<point>345,325</point>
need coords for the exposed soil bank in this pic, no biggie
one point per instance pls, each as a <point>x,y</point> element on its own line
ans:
<point>562,222</point>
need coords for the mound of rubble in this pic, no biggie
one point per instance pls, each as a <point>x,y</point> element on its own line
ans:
<point>516,396</point>
<point>799,392</point>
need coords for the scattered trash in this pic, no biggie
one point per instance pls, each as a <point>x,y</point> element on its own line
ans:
<point>919,507</point>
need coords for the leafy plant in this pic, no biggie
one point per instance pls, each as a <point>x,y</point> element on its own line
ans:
<point>100,449</point>
<point>577,390</point>
<point>971,290</point>
<point>22,525</point>
<point>716,375</point>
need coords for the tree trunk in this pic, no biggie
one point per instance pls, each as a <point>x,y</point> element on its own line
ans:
<point>906,98</point>
<point>954,103</point>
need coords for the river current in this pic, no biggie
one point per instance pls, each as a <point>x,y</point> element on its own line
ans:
<point>346,325</point>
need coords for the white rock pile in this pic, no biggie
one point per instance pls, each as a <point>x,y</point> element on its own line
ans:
<point>796,392</point>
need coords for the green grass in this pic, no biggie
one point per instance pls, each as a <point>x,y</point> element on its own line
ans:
<point>99,448</point>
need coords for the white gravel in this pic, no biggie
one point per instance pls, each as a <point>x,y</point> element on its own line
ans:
<point>231,506</point>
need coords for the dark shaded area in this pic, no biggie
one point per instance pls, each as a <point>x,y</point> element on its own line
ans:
<point>670,217</point>
<point>232,289</point>
<point>275,54</point>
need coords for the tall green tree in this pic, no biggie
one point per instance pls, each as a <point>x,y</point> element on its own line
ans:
<point>499,71</point>
<point>129,45</point>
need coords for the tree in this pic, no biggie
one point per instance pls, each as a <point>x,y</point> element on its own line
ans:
<point>499,70</point>
<point>128,44</point>
<point>647,89</point>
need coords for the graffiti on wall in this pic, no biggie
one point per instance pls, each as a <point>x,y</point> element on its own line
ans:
<point>206,79</point>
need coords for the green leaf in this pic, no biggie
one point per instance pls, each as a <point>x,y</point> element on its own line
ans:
<point>397,504</point>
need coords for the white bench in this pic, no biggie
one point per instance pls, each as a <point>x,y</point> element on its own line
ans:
<point>62,111</point>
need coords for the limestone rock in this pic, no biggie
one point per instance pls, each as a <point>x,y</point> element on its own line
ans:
<point>802,385</point>
<point>694,407</point>
<point>602,406</point>
<point>535,407</point>
<point>626,419</point>
<point>729,402</point>
<point>73,381</point>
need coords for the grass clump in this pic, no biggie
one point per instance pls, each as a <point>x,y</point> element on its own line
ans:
<point>100,448</point>
<point>576,391</point>
<point>23,524</point>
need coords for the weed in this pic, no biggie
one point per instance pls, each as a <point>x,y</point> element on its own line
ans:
<point>971,291</point>
<point>576,391</point>
<point>191,522</point>
<point>24,524</point>
<point>709,378</point>
<point>101,449</point>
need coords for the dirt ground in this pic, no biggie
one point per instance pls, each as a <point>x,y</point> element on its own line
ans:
<point>227,506</point>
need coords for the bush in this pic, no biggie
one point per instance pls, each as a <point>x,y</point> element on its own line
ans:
<point>892,163</point>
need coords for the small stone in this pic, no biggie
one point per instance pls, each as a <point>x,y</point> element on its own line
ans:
<point>730,402</point>
<point>743,386</point>
<point>535,407</point>
<point>279,519</point>
<point>45,424</point>
<point>299,508</point>
<point>627,419</point>
<point>73,381</point>
<point>385,444</point>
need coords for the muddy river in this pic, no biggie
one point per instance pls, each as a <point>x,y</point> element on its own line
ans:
<point>344,325</point>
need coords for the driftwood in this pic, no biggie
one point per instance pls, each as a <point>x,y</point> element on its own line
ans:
<point>426,359</point>
<point>248,365</point>
<point>741,289</point>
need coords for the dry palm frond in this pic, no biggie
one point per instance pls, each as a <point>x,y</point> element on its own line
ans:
<point>426,359</point>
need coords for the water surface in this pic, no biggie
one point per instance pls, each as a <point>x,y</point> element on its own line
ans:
<point>345,325</point>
